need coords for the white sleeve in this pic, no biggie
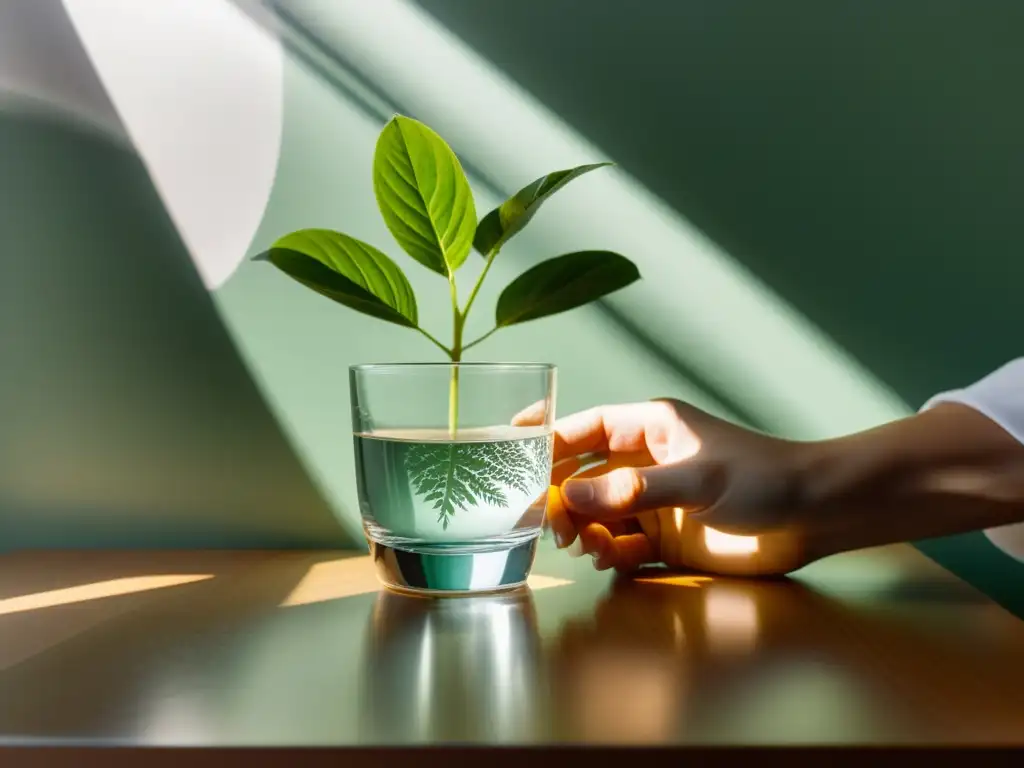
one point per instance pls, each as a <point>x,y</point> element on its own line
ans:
<point>1000,396</point>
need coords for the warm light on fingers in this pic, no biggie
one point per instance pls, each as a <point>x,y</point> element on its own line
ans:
<point>531,416</point>
<point>631,551</point>
<point>595,464</point>
<point>650,524</point>
<point>597,541</point>
<point>677,517</point>
<point>719,543</point>
<point>563,470</point>
<point>623,485</point>
<point>558,519</point>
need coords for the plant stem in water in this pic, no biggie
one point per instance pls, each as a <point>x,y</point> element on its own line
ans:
<point>453,401</point>
<point>456,358</point>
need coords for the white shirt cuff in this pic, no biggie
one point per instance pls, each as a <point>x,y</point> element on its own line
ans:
<point>1000,397</point>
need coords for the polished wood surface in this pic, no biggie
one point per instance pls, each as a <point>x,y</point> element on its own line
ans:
<point>302,648</point>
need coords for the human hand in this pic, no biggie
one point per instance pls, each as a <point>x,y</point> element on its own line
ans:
<point>677,486</point>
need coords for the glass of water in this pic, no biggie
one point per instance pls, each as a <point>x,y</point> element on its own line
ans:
<point>453,462</point>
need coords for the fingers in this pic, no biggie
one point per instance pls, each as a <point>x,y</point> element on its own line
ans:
<point>650,523</point>
<point>598,542</point>
<point>559,520</point>
<point>594,464</point>
<point>655,427</point>
<point>608,428</point>
<point>562,527</point>
<point>608,497</point>
<point>532,415</point>
<point>628,491</point>
<point>624,552</point>
<point>615,544</point>
<point>631,552</point>
<point>565,469</point>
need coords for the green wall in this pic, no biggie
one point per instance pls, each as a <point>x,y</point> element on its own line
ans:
<point>299,346</point>
<point>865,159</point>
<point>861,159</point>
<point>128,417</point>
<point>142,409</point>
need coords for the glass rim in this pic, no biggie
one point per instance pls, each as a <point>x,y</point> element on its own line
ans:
<point>398,367</point>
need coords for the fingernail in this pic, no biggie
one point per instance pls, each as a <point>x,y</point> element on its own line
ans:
<point>559,540</point>
<point>578,491</point>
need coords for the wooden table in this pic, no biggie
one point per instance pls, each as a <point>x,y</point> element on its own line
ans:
<point>302,648</point>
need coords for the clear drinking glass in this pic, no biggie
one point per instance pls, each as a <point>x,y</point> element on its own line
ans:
<point>453,511</point>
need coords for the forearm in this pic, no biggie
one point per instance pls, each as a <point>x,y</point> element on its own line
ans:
<point>945,471</point>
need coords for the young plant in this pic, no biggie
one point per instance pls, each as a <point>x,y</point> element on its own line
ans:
<point>426,202</point>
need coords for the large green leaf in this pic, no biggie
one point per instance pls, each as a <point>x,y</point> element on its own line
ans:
<point>424,195</point>
<point>563,283</point>
<point>348,271</point>
<point>511,216</point>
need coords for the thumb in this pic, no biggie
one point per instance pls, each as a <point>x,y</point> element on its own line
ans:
<point>627,491</point>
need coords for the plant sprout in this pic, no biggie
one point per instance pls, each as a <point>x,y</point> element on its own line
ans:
<point>425,199</point>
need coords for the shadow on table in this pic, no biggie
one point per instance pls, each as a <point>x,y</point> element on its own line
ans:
<point>698,659</point>
<point>80,647</point>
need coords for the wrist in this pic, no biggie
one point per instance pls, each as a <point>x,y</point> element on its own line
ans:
<point>824,477</point>
<point>941,472</point>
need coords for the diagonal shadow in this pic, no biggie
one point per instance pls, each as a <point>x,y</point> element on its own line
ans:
<point>381,105</point>
<point>837,150</point>
<point>129,418</point>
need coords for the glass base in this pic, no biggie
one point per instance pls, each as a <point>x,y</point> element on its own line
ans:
<point>453,573</point>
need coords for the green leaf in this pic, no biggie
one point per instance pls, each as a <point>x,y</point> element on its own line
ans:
<point>515,213</point>
<point>424,195</point>
<point>563,283</point>
<point>348,271</point>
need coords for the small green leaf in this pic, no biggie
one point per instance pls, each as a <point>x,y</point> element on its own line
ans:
<point>348,271</point>
<point>563,283</point>
<point>515,213</point>
<point>424,195</point>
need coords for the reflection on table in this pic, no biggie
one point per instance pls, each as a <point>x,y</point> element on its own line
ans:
<point>452,670</point>
<point>683,658</point>
<point>302,648</point>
